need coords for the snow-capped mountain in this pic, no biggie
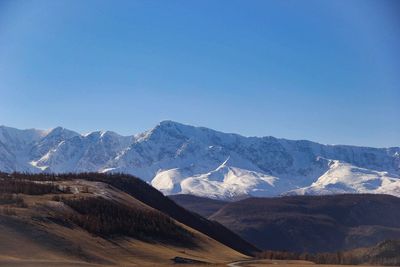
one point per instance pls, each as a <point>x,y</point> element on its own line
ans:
<point>177,158</point>
<point>346,178</point>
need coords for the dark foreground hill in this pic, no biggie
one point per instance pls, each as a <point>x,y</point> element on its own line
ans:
<point>311,223</point>
<point>201,205</point>
<point>79,219</point>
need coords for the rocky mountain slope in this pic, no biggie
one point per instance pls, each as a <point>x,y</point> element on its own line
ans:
<point>177,158</point>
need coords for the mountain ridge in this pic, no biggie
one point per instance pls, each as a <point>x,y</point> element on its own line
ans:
<point>178,158</point>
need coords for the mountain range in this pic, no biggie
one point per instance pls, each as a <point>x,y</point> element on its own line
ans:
<point>177,158</point>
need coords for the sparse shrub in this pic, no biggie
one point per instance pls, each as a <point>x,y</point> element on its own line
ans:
<point>67,190</point>
<point>85,189</point>
<point>56,198</point>
<point>7,198</point>
<point>21,203</point>
<point>8,211</point>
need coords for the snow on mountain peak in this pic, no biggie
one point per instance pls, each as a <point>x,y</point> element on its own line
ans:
<point>179,158</point>
<point>27,136</point>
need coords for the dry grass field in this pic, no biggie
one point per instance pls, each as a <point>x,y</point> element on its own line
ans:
<point>32,236</point>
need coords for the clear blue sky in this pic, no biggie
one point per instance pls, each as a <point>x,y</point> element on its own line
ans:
<point>327,71</point>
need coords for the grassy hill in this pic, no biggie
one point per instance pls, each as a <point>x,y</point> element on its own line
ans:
<point>86,220</point>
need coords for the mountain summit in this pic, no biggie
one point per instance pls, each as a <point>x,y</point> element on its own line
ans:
<point>177,158</point>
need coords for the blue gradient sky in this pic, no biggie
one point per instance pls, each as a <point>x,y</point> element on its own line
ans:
<point>327,71</point>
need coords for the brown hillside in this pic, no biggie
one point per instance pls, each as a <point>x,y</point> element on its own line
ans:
<point>89,223</point>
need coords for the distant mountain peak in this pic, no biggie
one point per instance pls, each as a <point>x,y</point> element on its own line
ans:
<point>169,123</point>
<point>61,130</point>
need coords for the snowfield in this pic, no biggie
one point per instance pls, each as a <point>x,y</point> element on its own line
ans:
<point>177,158</point>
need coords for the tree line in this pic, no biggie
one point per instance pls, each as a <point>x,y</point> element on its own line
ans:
<point>12,186</point>
<point>106,218</point>
<point>385,253</point>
